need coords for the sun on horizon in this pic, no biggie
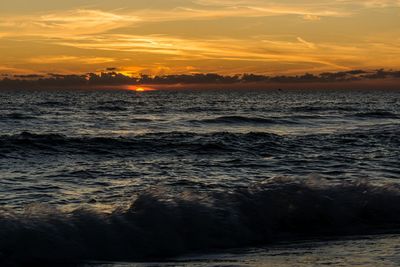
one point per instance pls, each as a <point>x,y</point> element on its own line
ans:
<point>139,89</point>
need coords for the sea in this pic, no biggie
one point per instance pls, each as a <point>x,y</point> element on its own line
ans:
<point>200,177</point>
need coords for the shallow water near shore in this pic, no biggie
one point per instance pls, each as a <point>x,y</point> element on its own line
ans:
<point>368,251</point>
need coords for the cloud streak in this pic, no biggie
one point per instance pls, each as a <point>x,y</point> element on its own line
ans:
<point>225,35</point>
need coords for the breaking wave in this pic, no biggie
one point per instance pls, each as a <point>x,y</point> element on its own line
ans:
<point>160,224</point>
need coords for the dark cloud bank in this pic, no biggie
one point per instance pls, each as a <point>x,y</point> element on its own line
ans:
<point>353,78</point>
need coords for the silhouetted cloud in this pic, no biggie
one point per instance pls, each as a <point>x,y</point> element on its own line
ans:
<point>379,74</point>
<point>116,78</point>
<point>29,76</point>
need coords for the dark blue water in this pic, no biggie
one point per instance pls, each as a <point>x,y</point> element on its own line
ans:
<point>197,169</point>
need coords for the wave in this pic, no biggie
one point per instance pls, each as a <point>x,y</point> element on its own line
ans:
<point>109,108</point>
<point>377,115</point>
<point>202,109</point>
<point>219,142</point>
<point>160,224</point>
<point>244,120</point>
<point>312,108</point>
<point>52,104</point>
<point>27,142</point>
<point>16,116</point>
<point>111,105</point>
<point>140,120</point>
<point>114,103</point>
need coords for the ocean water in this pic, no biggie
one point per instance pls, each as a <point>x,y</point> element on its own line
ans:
<point>127,176</point>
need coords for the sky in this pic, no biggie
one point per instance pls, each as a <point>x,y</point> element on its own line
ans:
<point>198,36</point>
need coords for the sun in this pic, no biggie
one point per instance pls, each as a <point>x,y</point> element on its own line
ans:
<point>139,89</point>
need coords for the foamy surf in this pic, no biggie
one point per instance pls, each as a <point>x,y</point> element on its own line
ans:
<point>159,225</point>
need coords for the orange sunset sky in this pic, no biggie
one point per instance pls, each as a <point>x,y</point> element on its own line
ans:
<point>182,36</point>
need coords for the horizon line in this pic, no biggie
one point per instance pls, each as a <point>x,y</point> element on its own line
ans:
<point>111,77</point>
